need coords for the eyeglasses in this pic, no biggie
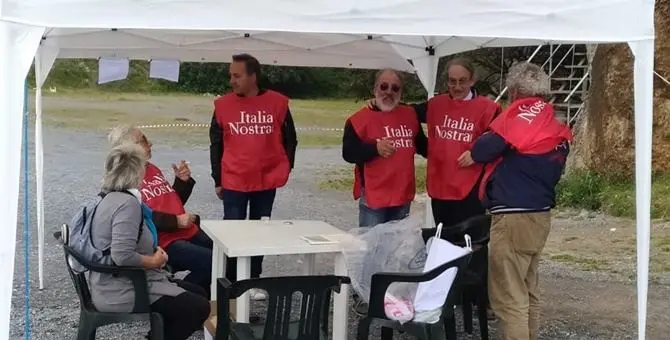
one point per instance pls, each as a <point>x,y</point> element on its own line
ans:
<point>385,87</point>
<point>456,82</point>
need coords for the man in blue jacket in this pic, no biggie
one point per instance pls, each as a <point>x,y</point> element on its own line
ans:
<point>524,153</point>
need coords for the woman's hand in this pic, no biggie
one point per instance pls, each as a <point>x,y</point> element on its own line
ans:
<point>155,261</point>
<point>185,220</point>
<point>159,258</point>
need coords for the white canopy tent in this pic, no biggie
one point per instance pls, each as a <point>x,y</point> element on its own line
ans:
<point>346,33</point>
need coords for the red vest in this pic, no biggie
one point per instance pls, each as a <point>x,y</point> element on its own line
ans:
<point>530,127</point>
<point>389,182</point>
<point>453,126</point>
<point>158,194</point>
<point>254,157</point>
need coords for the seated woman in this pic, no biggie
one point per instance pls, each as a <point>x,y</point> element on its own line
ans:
<point>187,246</point>
<point>119,225</point>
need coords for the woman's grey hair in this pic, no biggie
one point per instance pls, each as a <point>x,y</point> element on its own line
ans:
<point>528,80</point>
<point>122,134</point>
<point>124,168</point>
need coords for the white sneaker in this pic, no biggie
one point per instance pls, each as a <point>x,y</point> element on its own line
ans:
<point>256,294</point>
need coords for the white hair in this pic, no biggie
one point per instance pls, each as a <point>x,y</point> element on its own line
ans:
<point>528,80</point>
<point>122,134</point>
<point>124,168</point>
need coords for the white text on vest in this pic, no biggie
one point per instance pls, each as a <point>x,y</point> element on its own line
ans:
<point>402,136</point>
<point>155,187</point>
<point>459,130</point>
<point>252,123</point>
<point>528,113</point>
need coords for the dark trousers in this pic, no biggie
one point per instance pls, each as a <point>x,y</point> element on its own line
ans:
<point>452,212</point>
<point>182,314</point>
<point>194,255</point>
<point>235,205</point>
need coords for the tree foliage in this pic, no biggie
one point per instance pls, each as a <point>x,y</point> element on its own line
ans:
<point>296,82</point>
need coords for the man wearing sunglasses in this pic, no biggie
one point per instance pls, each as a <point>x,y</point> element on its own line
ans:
<point>381,141</point>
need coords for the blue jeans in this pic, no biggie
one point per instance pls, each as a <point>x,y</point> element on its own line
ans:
<point>235,205</point>
<point>194,255</point>
<point>368,217</point>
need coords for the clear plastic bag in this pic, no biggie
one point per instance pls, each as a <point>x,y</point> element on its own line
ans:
<point>395,247</point>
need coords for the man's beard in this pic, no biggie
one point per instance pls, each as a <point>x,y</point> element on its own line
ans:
<point>387,104</point>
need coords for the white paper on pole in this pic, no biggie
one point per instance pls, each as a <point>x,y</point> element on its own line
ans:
<point>164,69</point>
<point>112,69</point>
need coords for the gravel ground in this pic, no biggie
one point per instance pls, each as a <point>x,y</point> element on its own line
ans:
<point>73,163</point>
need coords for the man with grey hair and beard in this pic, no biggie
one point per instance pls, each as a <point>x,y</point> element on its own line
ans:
<point>524,154</point>
<point>381,141</point>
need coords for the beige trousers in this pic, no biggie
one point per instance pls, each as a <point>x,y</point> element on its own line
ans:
<point>516,244</point>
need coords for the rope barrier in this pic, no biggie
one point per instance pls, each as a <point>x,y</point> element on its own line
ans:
<point>199,125</point>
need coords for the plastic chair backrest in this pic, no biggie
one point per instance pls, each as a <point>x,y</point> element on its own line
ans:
<point>314,293</point>
<point>78,279</point>
<point>478,227</point>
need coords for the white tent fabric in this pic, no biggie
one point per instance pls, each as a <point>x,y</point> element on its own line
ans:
<point>346,33</point>
<point>22,41</point>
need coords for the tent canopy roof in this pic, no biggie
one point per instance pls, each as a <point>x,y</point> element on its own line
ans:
<point>559,20</point>
<point>272,48</point>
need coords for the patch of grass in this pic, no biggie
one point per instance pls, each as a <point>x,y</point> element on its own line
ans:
<point>614,196</point>
<point>328,113</point>
<point>589,264</point>
<point>102,119</point>
<point>96,110</point>
<point>581,190</point>
<point>342,179</point>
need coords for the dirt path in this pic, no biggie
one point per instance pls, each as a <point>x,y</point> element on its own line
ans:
<point>604,307</point>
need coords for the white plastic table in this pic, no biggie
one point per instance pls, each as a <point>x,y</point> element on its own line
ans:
<point>243,239</point>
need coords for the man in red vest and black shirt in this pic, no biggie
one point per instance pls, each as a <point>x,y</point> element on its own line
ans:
<point>381,141</point>
<point>525,155</point>
<point>252,151</point>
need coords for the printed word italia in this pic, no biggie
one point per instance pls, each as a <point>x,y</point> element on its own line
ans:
<point>402,137</point>
<point>459,130</point>
<point>155,187</point>
<point>253,123</point>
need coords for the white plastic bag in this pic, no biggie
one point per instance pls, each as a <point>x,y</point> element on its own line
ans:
<point>430,295</point>
<point>395,247</point>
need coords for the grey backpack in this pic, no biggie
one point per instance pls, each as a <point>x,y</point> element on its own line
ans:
<point>81,239</point>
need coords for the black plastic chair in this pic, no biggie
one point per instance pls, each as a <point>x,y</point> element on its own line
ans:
<point>445,328</point>
<point>90,319</point>
<point>475,278</point>
<point>314,307</point>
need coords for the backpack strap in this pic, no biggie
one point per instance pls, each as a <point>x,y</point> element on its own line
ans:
<point>102,195</point>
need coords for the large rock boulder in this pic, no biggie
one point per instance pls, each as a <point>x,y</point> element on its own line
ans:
<point>605,139</point>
